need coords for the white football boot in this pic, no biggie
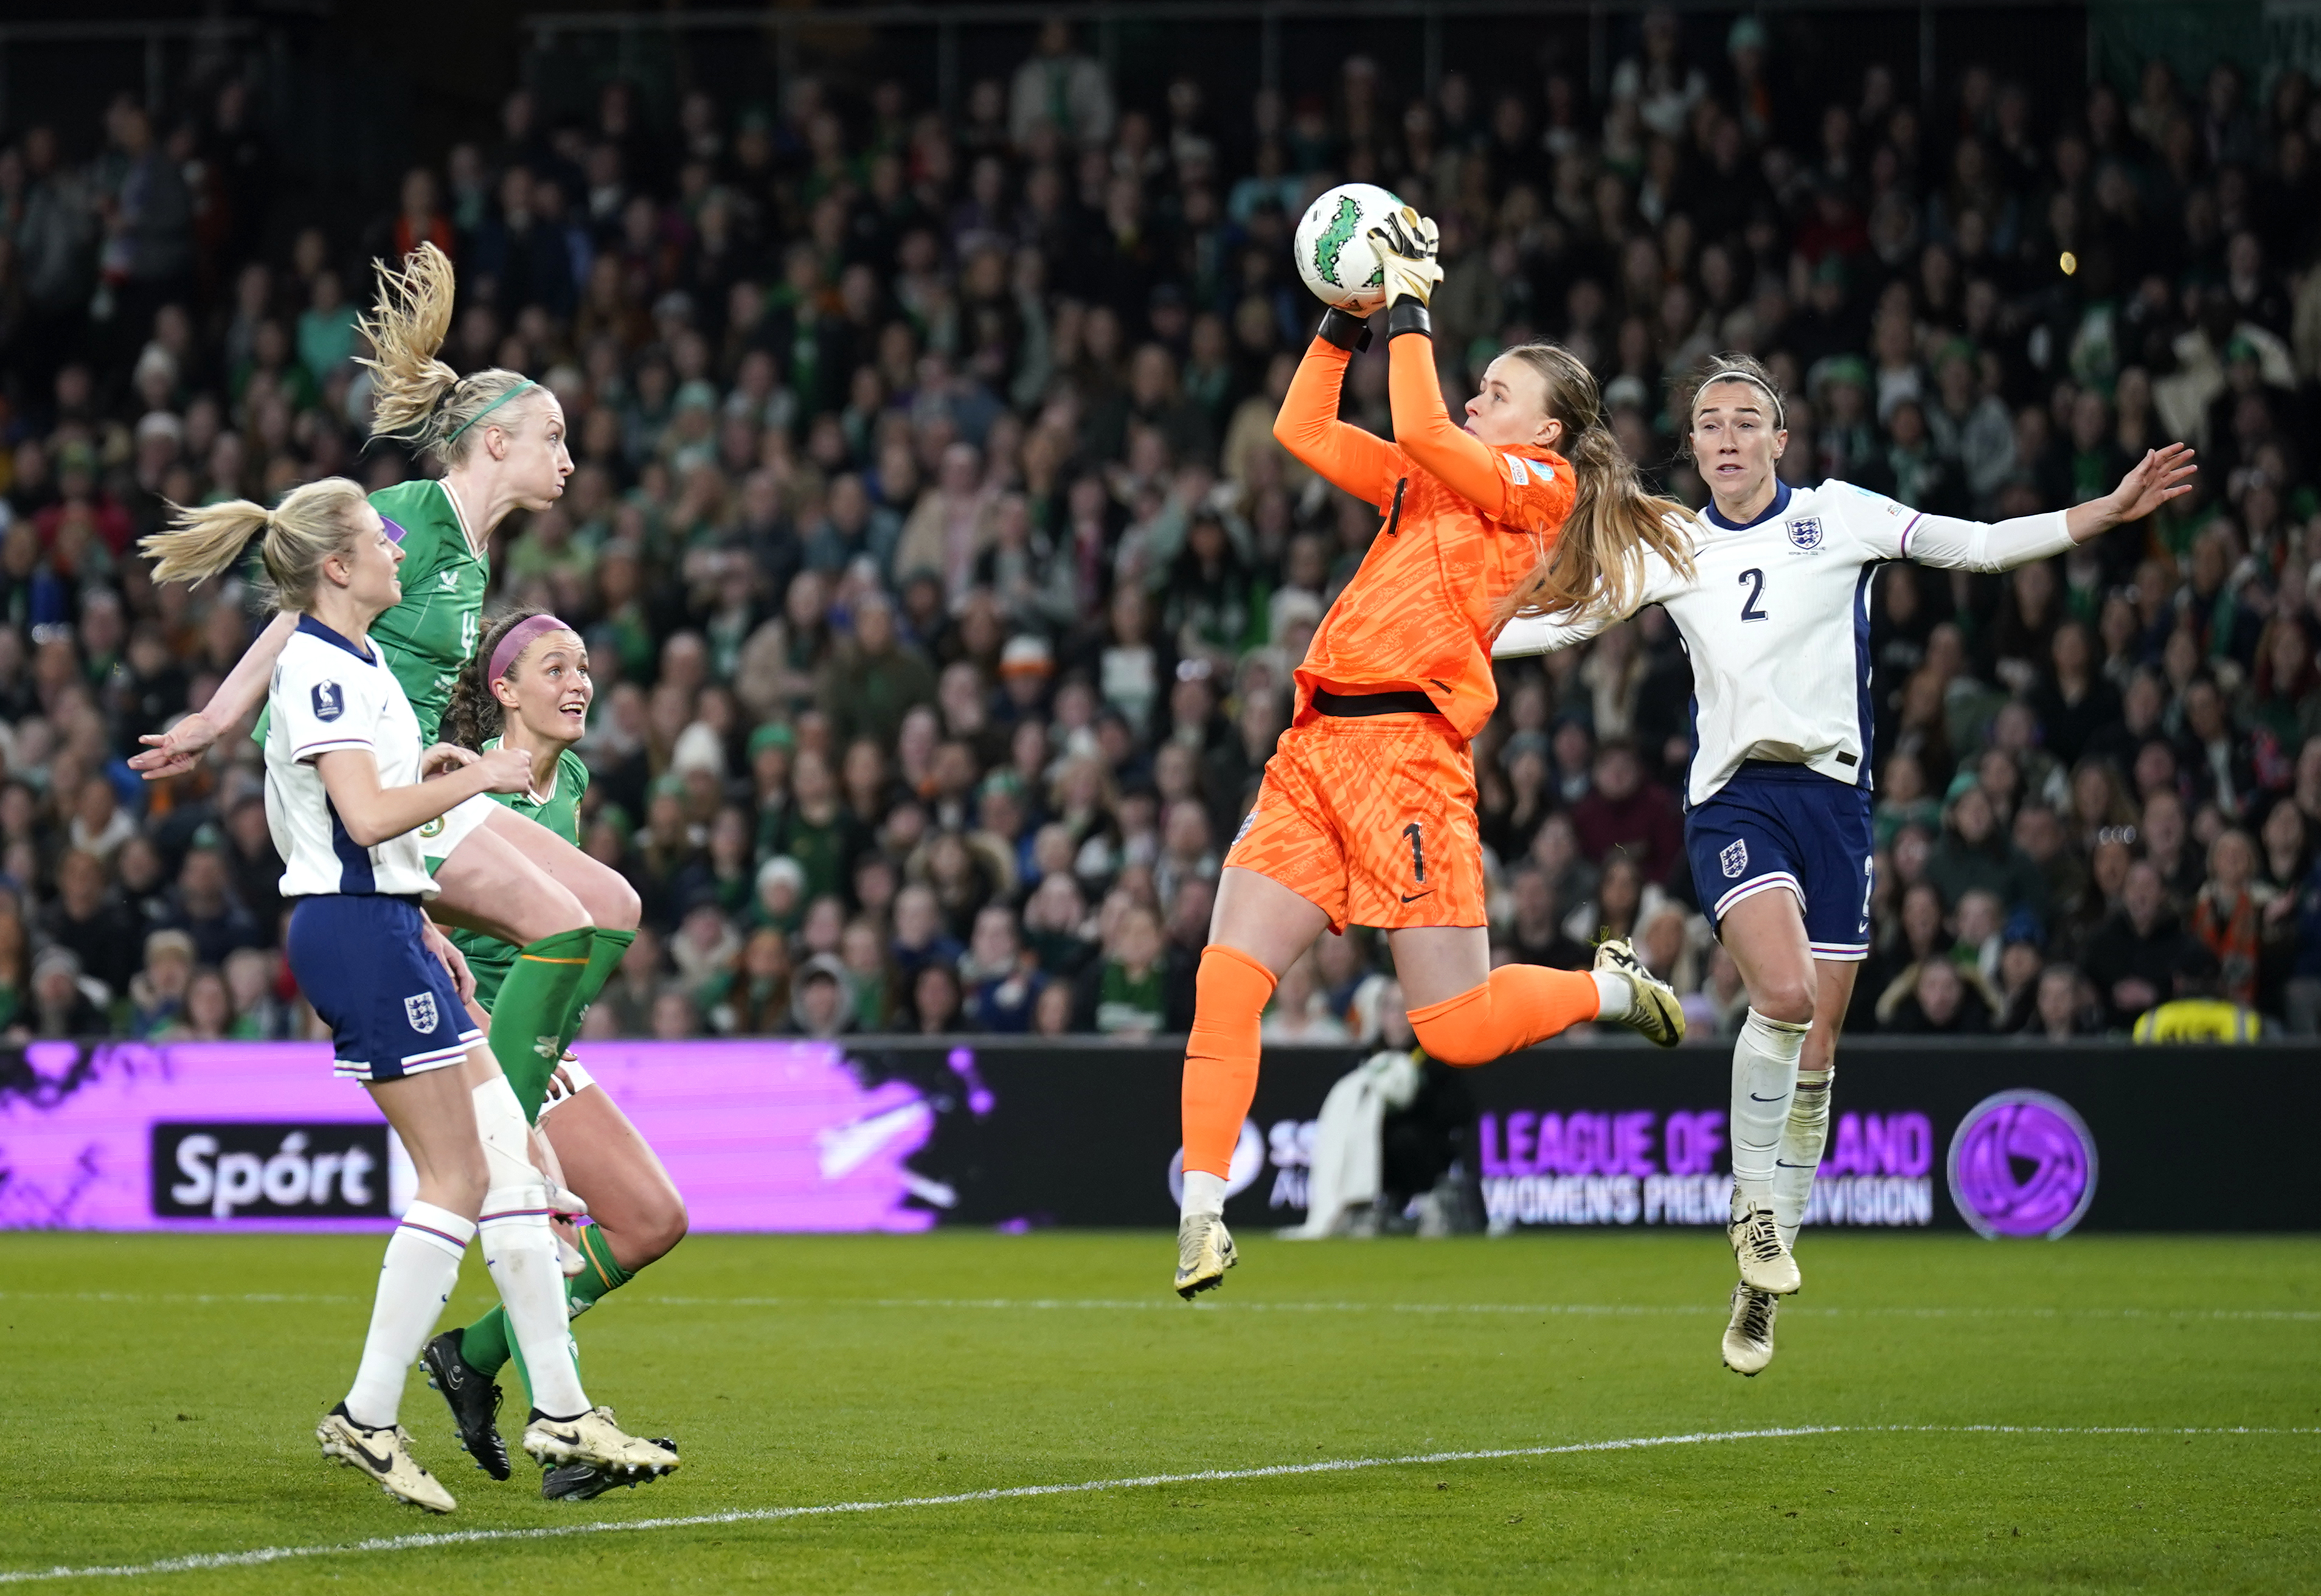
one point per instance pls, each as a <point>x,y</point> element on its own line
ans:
<point>385,1454</point>
<point>1205,1251</point>
<point>1748,1338</point>
<point>1655,1013</point>
<point>595,1438</point>
<point>1766,1265</point>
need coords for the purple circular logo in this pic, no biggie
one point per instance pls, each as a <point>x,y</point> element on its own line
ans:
<point>2023,1164</point>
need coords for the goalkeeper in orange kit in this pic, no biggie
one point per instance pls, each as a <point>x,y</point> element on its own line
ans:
<point>1367,812</point>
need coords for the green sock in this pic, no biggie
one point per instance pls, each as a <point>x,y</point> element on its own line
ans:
<point>604,956</point>
<point>529,1015</point>
<point>485,1345</point>
<point>603,1274</point>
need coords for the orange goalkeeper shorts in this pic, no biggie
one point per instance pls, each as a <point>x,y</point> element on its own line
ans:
<point>1370,819</point>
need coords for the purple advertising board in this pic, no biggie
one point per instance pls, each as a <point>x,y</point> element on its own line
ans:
<point>763,1136</point>
<point>899,1134</point>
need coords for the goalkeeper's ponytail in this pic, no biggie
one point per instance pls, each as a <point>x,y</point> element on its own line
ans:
<point>1596,568</point>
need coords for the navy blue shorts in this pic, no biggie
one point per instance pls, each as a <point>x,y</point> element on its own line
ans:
<point>390,1003</point>
<point>1789,826</point>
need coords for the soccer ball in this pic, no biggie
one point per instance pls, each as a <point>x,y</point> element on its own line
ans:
<point>1334,247</point>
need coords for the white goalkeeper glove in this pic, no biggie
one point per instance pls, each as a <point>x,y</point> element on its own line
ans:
<point>1407,244</point>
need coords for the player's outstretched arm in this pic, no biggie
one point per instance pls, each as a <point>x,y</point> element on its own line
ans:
<point>178,750</point>
<point>1346,456</point>
<point>1544,634</point>
<point>1422,425</point>
<point>373,814</point>
<point>1405,247</point>
<point>2162,474</point>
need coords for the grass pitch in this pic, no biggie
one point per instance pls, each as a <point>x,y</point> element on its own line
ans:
<point>2161,1400</point>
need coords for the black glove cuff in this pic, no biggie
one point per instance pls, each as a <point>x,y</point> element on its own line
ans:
<point>1344,329</point>
<point>1408,315</point>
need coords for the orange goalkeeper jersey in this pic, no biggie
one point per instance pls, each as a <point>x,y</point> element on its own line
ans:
<point>1461,523</point>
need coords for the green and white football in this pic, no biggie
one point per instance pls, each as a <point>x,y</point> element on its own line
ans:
<point>1334,247</point>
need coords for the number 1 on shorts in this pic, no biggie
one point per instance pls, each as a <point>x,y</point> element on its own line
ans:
<point>1418,835</point>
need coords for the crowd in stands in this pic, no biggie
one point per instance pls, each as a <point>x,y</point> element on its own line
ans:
<point>943,579</point>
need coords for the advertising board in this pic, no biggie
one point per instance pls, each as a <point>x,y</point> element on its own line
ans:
<point>902,1135</point>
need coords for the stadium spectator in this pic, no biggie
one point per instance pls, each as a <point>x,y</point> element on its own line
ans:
<point>943,578</point>
<point>2062,1007</point>
<point>1535,934</point>
<point>1125,992</point>
<point>1060,91</point>
<point>1002,981</point>
<point>2133,957</point>
<point>157,992</point>
<point>65,1003</point>
<point>821,1004</point>
<point>1624,812</point>
<point>1940,1002</point>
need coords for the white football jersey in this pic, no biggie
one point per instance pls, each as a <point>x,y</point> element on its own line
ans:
<point>326,694</point>
<point>1776,620</point>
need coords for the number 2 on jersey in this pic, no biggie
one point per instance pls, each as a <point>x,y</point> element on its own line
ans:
<point>1754,580</point>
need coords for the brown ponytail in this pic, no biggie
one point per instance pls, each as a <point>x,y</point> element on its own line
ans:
<point>475,716</point>
<point>1597,566</point>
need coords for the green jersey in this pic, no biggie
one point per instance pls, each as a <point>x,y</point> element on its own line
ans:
<point>428,636</point>
<point>559,809</point>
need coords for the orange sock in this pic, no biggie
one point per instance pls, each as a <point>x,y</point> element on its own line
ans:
<point>1229,994</point>
<point>1521,1004</point>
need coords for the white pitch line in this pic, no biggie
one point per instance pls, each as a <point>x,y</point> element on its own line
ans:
<point>203,1561</point>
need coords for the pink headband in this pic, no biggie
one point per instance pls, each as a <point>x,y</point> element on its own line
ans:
<point>518,639</point>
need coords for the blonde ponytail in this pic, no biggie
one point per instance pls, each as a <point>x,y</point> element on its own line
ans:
<point>406,326</point>
<point>418,397</point>
<point>310,524</point>
<point>1596,568</point>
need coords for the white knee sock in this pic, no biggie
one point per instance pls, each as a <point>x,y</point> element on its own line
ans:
<point>414,1281</point>
<point>520,1250</point>
<point>1799,1156</point>
<point>1765,1078</point>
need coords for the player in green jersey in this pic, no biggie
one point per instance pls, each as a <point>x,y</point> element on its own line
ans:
<point>527,688</point>
<point>499,437</point>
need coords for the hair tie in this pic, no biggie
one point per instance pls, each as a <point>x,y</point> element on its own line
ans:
<point>519,637</point>
<point>519,387</point>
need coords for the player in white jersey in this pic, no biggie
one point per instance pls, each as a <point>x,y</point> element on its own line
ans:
<point>1775,618</point>
<point>344,798</point>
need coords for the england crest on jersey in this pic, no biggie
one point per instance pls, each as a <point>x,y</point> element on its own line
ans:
<point>1805,532</point>
<point>1734,860</point>
<point>420,1009</point>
